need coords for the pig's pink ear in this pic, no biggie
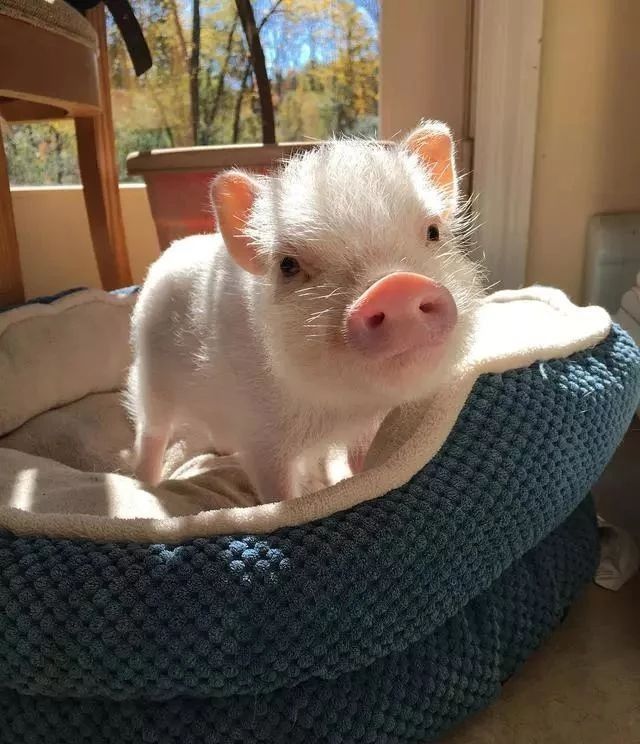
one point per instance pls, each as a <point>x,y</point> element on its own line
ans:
<point>433,144</point>
<point>233,194</point>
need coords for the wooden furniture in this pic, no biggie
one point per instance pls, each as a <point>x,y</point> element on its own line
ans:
<point>53,64</point>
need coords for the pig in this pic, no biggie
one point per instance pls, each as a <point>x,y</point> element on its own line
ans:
<point>334,291</point>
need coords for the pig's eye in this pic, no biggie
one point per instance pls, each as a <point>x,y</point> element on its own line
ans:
<point>289,267</point>
<point>433,233</point>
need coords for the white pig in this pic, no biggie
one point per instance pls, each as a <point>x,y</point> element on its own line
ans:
<point>334,291</point>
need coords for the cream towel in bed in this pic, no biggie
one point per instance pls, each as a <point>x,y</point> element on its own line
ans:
<point>68,355</point>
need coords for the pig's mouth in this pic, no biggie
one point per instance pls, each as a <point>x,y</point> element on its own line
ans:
<point>398,362</point>
<point>414,358</point>
<point>401,317</point>
<point>400,350</point>
<point>413,369</point>
<point>404,369</point>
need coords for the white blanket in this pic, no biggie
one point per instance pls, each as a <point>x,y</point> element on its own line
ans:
<point>62,472</point>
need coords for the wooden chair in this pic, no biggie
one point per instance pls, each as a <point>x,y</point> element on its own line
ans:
<point>53,64</point>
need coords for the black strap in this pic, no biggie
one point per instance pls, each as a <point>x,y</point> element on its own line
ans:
<point>129,28</point>
<point>83,5</point>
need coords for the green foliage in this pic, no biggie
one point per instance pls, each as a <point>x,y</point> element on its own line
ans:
<point>322,59</point>
<point>42,154</point>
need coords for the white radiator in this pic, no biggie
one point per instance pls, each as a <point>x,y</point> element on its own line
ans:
<point>613,258</point>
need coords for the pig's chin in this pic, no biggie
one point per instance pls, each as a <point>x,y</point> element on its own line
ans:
<point>336,375</point>
<point>411,373</point>
<point>415,373</point>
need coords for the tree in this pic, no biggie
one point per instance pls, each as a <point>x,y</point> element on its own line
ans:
<point>194,70</point>
<point>215,99</point>
<point>319,57</point>
<point>268,120</point>
<point>259,66</point>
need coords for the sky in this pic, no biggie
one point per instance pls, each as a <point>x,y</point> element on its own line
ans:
<point>299,52</point>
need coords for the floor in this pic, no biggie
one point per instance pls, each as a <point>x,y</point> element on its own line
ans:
<point>583,685</point>
<point>618,491</point>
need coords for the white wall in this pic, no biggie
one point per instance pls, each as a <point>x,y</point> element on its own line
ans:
<point>424,48</point>
<point>588,143</point>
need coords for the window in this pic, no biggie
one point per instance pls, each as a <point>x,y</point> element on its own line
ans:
<point>322,61</point>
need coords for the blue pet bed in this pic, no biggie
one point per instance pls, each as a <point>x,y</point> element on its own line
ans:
<point>386,622</point>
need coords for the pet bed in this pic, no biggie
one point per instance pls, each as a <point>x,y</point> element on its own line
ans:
<point>382,609</point>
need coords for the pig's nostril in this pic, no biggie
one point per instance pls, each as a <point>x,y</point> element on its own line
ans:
<point>427,307</point>
<point>375,320</point>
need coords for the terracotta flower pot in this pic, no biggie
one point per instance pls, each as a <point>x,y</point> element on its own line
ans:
<point>178,181</point>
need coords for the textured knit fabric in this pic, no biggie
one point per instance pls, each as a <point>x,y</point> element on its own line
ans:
<point>400,615</point>
<point>408,696</point>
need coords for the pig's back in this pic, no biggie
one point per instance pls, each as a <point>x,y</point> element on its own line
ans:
<point>192,326</point>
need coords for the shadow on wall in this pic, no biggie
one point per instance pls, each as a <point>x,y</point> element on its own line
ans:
<point>56,251</point>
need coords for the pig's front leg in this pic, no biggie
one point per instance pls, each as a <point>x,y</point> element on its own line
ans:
<point>356,456</point>
<point>315,473</point>
<point>357,451</point>
<point>149,454</point>
<point>273,476</point>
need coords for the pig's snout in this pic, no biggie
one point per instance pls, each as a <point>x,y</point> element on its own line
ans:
<point>401,312</point>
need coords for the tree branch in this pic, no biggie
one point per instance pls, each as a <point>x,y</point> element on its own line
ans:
<point>223,73</point>
<point>173,10</point>
<point>194,71</point>
<point>269,13</point>
<point>238,107</point>
<point>252,35</point>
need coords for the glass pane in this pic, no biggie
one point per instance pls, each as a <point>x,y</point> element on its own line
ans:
<point>322,62</point>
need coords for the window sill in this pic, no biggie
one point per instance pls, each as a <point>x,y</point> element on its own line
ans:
<point>69,187</point>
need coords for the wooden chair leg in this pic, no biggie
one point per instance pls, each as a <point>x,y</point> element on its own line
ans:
<point>103,208</point>
<point>97,159</point>
<point>11,290</point>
